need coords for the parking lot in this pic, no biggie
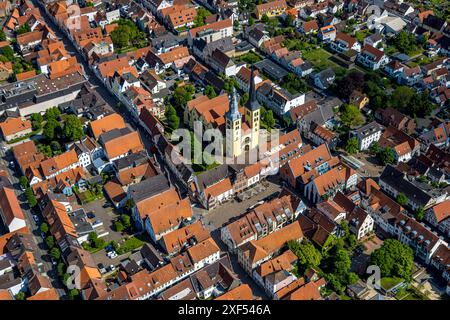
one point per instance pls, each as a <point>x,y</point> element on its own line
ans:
<point>217,217</point>
<point>107,215</point>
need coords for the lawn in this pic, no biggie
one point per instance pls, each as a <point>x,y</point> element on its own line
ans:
<point>410,294</point>
<point>321,59</point>
<point>87,196</point>
<point>130,244</point>
<point>388,283</point>
<point>249,57</point>
<point>362,34</point>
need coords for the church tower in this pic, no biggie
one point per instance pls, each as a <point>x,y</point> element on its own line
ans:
<point>252,112</point>
<point>233,127</point>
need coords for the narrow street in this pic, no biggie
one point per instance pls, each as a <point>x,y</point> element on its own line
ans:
<point>101,89</point>
<point>42,258</point>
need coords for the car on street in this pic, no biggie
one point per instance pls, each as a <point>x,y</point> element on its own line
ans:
<point>101,268</point>
<point>36,218</point>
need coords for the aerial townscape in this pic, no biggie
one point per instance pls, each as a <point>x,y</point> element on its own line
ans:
<point>224,150</point>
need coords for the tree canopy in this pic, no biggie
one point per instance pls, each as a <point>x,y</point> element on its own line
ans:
<point>402,199</point>
<point>352,146</point>
<point>394,259</point>
<point>351,116</point>
<point>73,129</point>
<point>354,80</point>
<point>173,121</point>
<point>128,34</point>
<point>307,254</point>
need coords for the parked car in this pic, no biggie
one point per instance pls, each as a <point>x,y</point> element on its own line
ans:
<point>90,215</point>
<point>112,268</point>
<point>113,254</point>
<point>54,262</point>
<point>36,218</point>
<point>101,268</point>
<point>109,248</point>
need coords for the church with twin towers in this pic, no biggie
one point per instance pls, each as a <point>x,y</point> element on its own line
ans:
<point>242,130</point>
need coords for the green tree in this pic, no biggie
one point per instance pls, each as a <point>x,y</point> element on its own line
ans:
<point>308,255</point>
<point>351,116</point>
<point>401,98</point>
<point>210,92</point>
<point>23,181</point>
<point>126,221</point>
<point>36,120</point>
<point>32,202</point>
<point>44,227</point>
<point>352,278</point>
<point>341,263</point>
<point>182,95</point>
<point>120,37</point>
<point>95,241</point>
<point>420,214</point>
<point>265,18</point>
<point>50,242</point>
<point>8,53</point>
<point>73,294</point>
<point>56,147</point>
<point>268,119</point>
<point>118,226</point>
<point>375,148</point>
<point>244,99</point>
<point>405,42</point>
<point>352,145</point>
<point>387,156</point>
<point>334,283</point>
<point>402,199</point>
<point>202,13</point>
<point>229,84</point>
<point>52,113</point>
<point>173,121</point>
<point>2,35</point>
<point>23,29</point>
<point>55,253</point>
<point>61,269</point>
<point>20,296</point>
<point>51,129</point>
<point>251,21</point>
<point>394,259</point>
<point>73,129</point>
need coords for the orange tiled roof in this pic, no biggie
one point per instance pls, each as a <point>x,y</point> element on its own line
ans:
<point>14,125</point>
<point>242,292</point>
<point>49,294</point>
<point>10,206</point>
<point>107,123</point>
<point>203,250</point>
<point>130,142</point>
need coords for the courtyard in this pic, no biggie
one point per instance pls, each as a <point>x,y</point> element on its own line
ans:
<point>221,215</point>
